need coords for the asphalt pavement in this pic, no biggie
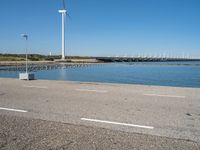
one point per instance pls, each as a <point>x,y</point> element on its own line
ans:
<point>152,113</point>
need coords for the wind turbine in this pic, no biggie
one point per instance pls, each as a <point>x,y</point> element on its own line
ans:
<point>63,11</point>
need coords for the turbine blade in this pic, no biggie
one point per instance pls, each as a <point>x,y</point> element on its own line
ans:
<point>69,16</point>
<point>64,7</point>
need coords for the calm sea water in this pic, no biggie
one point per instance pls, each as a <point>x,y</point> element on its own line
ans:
<point>180,74</point>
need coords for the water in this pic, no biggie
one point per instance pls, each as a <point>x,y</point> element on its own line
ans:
<point>179,74</point>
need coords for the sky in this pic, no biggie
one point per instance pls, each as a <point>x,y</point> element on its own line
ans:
<point>102,27</point>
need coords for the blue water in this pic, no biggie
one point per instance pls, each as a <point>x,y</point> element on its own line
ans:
<point>179,74</point>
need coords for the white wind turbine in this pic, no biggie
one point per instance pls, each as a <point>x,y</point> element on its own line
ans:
<point>63,11</point>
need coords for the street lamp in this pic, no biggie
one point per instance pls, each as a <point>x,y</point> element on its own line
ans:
<point>26,76</point>
<point>26,38</point>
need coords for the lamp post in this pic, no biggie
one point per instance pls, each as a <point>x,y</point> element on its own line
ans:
<point>26,38</point>
<point>26,76</point>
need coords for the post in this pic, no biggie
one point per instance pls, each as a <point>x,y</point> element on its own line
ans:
<point>63,36</point>
<point>26,75</point>
<point>26,54</point>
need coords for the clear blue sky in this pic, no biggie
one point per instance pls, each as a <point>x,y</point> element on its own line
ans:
<point>102,27</point>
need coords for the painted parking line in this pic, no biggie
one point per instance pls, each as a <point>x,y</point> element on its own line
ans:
<point>117,123</point>
<point>38,87</point>
<point>11,109</point>
<point>92,90</point>
<point>170,96</point>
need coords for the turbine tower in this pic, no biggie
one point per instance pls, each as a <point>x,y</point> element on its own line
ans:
<point>63,12</point>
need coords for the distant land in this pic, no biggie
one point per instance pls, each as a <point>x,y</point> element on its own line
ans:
<point>36,57</point>
<point>89,59</point>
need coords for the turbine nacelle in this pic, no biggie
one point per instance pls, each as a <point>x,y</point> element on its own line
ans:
<point>62,11</point>
<point>25,36</point>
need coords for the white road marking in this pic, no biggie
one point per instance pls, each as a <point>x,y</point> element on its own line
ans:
<point>38,87</point>
<point>10,109</point>
<point>118,123</point>
<point>172,96</point>
<point>91,90</point>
